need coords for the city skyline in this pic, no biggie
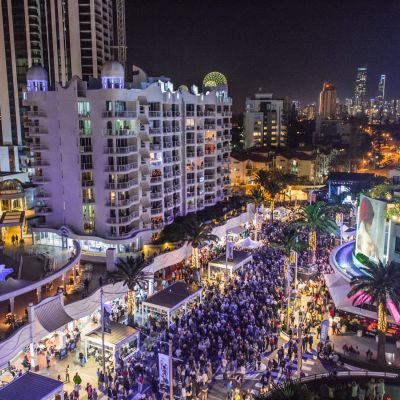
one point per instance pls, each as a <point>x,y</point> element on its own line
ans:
<point>318,42</point>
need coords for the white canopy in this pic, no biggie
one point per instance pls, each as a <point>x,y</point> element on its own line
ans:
<point>247,244</point>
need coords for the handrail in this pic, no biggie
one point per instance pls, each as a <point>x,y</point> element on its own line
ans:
<point>47,279</point>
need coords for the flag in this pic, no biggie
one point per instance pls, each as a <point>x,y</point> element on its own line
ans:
<point>163,369</point>
<point>324,330</point>
<point>229,249</point>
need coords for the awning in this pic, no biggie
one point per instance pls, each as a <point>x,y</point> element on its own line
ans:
<point>31,386</point>
<point>120,334</point>
<point>247,244</point>
<point>12,218</point>
<point>52,315</point>
<point>237,230</point>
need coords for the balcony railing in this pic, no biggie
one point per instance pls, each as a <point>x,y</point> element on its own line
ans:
<point>123,203</point>
<point>156,210</point>
<point>87,183</point>
<point>120,150</point>
<point>122,168</point>
<point>118,132</point>
<point>119,114</point>
<point>121,185</point>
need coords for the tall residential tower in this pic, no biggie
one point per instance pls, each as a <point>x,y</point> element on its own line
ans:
<point>360,90</point>
<point>327,101</point>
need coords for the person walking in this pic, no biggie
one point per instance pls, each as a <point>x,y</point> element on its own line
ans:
<point>140,383</point>
<point>13,240</point>
<point>77,381</point>
<point>67,374</point>
<point>48,358</point>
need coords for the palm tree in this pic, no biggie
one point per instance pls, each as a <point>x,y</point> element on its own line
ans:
<point>378,284</point>
<point>316,218</point>
<point>131,273</point>
<point>272,183</point>
<point>257,197</point>
<point>197,234</point>
<point>290,390</point>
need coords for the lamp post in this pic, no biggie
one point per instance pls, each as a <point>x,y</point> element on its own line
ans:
<point>300,350</point>
<point>102,331</point>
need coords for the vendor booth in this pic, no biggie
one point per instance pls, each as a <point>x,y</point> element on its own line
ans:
<point>247,244</point>
<point>31,386</point>
<point>122,342</point>
<point>172,301</point>
<point>222,265</point>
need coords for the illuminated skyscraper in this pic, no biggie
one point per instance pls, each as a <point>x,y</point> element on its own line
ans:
<point>380,98</point>
<point>360,89</point>
<point>327,101</point>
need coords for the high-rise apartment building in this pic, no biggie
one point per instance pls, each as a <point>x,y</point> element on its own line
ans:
<point>265,121</point>
<point>327,101</point>
<point>68,38</point>
<point>118,164</point>
<point>360,90</point>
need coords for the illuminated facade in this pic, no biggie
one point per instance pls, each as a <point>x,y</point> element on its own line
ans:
<point>264,121</point>
<point>327,101</point>
<point>118,163</point>
<point>360,90</point>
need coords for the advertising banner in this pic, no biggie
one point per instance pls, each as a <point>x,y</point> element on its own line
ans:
<point>163,369</point>
<point>229,249</point>
<point>324,330</point>
<point>371,228</point>
<point>107,315</point>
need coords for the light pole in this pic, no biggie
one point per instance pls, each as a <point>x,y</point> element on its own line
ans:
<point>102,331</point>
<point>300,350</point>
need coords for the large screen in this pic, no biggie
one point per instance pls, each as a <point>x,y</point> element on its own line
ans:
<point>371,228</point>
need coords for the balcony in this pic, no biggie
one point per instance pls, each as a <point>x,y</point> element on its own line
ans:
<point>190,181</point>
<point>200,127</point>
<point>38,163</point>
<point>123,203</point>
<point>37,132</point>
<point>118,132</point>
<point>38,147</point>
<point>209,177</point>
<point>189,155</point>
<point>88,200</point>
<point>209,126</point>
<point>86,166</point>
<point>155,131</point>
<point>189,113</point>
<point>200,114</point>
<point>190,141</point>
<point>119,114</point>
<point>200,153</point>
<point>155,179</point>
<point>123,220</point>
<point>176,158</point>
<point>167,145</point>
<point>85,149</point>
<point>40,179</point>
<point>167,160</point>
<point>121,185</point>
<point>120,150</point>
<point>167,129</point>
<point>209,113</point>
<point>154,114</point>
<point>168,204</point>
<point>87,183</point>
<point>209,189</point>
<point>209,165</point>
<point>176,143</point>
<point>36,114</point>
<point>210,201</point>
<point>190,194</point>
<point>156,195</point>
<point>158,226</point>
<point>156,210</point>
<point>176,113</point>
<point>122,168</point>
<point>177,173</point>
<point>155,146</point>
<point>189,127</point>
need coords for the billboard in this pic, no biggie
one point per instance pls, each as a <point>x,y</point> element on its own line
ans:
<point>163,369</point>
<point>371,228</point>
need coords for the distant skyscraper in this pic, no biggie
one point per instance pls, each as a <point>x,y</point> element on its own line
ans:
<point>380,98</point>
<point>360,89</point>
<point>327,101</point>
<point>66,37</point>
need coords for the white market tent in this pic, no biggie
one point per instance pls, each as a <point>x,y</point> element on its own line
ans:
<point>247,244</point>
<point>221,264</point>
<point>121,339</point>
<point>172,300</point>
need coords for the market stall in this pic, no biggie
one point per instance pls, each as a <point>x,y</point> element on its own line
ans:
<point>122,342</point>
<point>31,386</point>
<point>172,301</point>
<point>223,265</point>
<point>247,244</point>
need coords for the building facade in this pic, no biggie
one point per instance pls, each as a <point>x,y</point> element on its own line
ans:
<point>68,38</point>
<point>360,90</point>
<point>117,163</point>
<point>327,101</point>
<point>265,121</point>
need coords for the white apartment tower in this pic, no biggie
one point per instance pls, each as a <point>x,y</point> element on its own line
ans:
<point>264,121</point>
<point>68,37</point>
<point>117,163</point>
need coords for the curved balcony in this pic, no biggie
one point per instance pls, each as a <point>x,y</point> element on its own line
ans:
<point>123,203</point>
<point>118,132</point>
<point>122,168</point>
<point>120,150</point>
<point>121,185</point>
<point>123,220</point>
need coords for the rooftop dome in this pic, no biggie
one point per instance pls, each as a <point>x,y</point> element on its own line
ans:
<point>11,186</point>
<point>183,88</point>
<point>213,79</point>
<point>36,73</point>
<point>112,69</point>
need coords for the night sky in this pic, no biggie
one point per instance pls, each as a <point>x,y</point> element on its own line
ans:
<point>286,47</point>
